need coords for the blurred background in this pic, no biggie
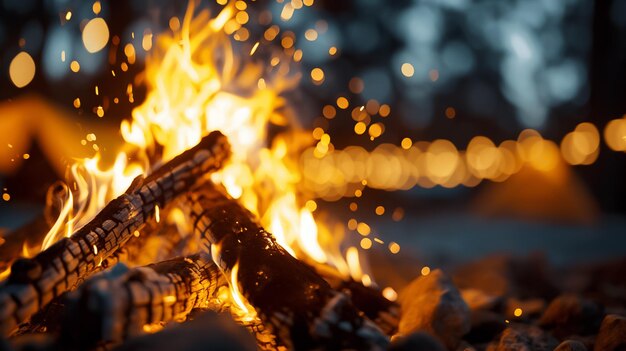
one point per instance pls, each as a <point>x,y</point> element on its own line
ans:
<point>449,128</point>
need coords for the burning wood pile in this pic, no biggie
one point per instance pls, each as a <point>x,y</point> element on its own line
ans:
<point>296,307</point>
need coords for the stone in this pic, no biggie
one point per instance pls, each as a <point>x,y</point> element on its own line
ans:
<point>465,346</point>
<point>612,335</point>
<point>418,341</point>
<point>507,276</point>
<point>523,338</point>
<point>486,326</point>
<point>571,345</point>
<point>570,314</point>
<point>433,304</point>
<point>479,300</point>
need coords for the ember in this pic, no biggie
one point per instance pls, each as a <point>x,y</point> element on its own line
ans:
<point>245,203</point>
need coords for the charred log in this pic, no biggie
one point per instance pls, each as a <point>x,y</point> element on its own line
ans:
<point>290,297</point>
<point>385,313</point>
<point>33,283</point>
<point>122,303</point>
<point>367,299</point>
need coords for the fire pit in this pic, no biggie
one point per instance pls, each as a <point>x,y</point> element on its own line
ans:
<point>218,220</point>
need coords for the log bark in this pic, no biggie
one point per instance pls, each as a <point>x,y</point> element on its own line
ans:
<point>33,283</point>
<point>121,303</point>
<point>299,305</point>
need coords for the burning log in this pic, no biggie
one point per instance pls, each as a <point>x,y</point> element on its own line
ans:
<point>367,299</point>
<point>385,313</point>
<point>302,309</point>
<point>33,283</point>
<point>121,302</point>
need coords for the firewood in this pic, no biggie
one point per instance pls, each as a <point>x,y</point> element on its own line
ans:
<point>385,313</point>
<point>33,283</point>
<point>121,303</point>
<point>290,297</point>
<point>367,299</point>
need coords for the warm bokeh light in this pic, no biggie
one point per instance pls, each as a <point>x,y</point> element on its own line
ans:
<point>407,70</point>
<point>22,69</point>
<point>615,134</point>
<point>581,147</point>
<point>95,35</point>
<point>317,75</point>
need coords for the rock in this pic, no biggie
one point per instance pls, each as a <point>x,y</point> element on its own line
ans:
<point>479,300</point>
<point>432,303</point>
<point>571,345</point>
<point>523,338</point>
<point>418,341</point>
<point>612,335</point>
<point>490,275</point>
<point>505,276</point>
<point>465,346</point>
<point>570,314</point>
<point>485,326</point>
<point>209,331</point>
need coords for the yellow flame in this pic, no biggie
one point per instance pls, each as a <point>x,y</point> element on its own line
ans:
<point>197,82</point>
<point>246,312</point>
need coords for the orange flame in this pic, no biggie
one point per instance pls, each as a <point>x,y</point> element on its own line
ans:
<point>198,83</point>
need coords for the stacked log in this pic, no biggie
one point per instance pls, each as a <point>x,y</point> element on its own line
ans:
<point>302,309</point>
<point>33,283</point>
<point>121,303</point>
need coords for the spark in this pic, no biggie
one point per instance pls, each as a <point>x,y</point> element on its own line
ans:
<point>394,248</point>
<point>390,294</point>
<point>363,229</point>
<point>406,143</point>
<point>253,50</point>
<point>366,243</point>
<point>75,66</point>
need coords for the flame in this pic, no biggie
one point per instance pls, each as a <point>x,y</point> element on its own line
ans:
<point>244,310</point>
<point>198,83</point>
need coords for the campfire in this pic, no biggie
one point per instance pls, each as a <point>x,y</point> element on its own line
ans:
<point>202,230</point>
<point>196,177</point>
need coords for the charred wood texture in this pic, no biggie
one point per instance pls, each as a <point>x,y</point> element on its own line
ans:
<point>33,283</point>
<point>290,297</point>
<point>385,313</point>
<point>121,302</point>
